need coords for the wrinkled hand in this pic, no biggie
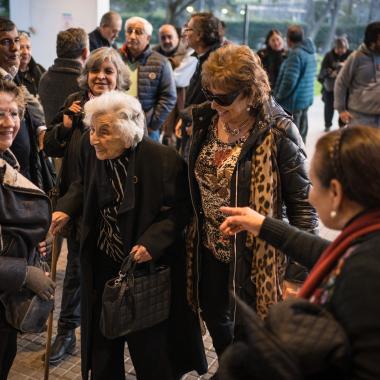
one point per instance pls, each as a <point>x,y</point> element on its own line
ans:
<point>241,219</point>
<point>44,247</point>
<point>346,117</point>
<point>140,254</point>
<point>58,220</point>
<point>76,108</point>
<point>39,282</point>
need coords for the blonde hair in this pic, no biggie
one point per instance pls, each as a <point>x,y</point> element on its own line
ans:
<point>237,67</point>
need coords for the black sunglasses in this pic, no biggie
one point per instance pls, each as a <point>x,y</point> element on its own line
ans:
<point>221,99</point>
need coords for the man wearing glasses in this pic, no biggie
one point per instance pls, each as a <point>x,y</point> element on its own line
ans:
<point>203,35</point>
<point>152,80</point>
<point>25,146</point>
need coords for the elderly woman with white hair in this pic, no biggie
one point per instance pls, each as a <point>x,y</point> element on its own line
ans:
<point>134,196</point>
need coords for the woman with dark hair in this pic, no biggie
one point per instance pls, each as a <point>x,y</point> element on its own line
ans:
<point>245,150</point>
<point>104,71</point>
<point>332,62</point>
<point>273,54</point>
<point>345,273</point>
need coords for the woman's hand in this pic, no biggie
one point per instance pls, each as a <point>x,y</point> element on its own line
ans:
<point>59,219</point>
<point>140,254</point>
<point>241,219</point>
<point>39,282</point>
<point>45,246</point>
<point>74,108</point>
<point>345,116</point>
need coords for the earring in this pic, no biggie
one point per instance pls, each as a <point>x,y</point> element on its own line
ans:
<point>248,108</point>
<point>333,214</point>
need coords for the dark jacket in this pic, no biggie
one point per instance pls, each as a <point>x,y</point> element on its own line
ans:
<point>294,88</point>
<point>156,87</point>
<point>65,142</point>
<point>330,67</point>
<point>292,193</point>
<point>31,77</point>
<point>272,61</point>
<point>154,212</point>
<point>24,219</point>
<point>57,84</point>
<point>97,40</point>
<point>354,302</point>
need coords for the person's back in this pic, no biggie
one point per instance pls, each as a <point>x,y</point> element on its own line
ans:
<point>61,78</point>
<point>294,88</point>
<point>357,87</point>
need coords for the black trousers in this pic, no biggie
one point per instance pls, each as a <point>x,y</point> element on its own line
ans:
<point>148,348</point>
<point>8,345</point>
<point>69,317</point>
<point>214,300</point>
<point>328,99</point>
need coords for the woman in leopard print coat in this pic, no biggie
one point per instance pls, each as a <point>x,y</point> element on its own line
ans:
<point>245,151</point>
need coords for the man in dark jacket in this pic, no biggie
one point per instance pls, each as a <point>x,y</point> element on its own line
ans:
<point>183,65</point>
<point>294,88</point>
<point>61,79</point>
<point>29,138</point>
<point>106,34</point>
<point>203,35</point>
<point>152,80</point>
<point>30,71</point>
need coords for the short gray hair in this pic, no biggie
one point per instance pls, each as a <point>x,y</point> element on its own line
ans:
<point>148,27</point>
<point>125,108</point>
<point>95,60</point>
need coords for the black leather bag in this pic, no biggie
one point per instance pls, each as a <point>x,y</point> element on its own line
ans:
<point>297,340</point>
<point>135,300</point>
<point>25,311</point>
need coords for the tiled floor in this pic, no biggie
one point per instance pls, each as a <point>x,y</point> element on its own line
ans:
<point>28,364</point>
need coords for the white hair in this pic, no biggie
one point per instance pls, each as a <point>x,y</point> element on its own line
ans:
<point>148,27</point>
<point>130,118</point>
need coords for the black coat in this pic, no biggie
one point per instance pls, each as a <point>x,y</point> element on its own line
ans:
<point>31,77</point>
<point>57,84</point>
<point>272,61</point>
<point>355,298</point>
<point>25,216</point>
<point>154,212</point>
<point>293,188</point>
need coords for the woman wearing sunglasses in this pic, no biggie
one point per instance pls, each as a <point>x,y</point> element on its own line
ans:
<point>245,151</point>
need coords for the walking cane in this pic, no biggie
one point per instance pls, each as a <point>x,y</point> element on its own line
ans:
<point>56,247</point>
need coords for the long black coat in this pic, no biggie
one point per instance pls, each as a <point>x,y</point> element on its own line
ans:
<point>154,212</point>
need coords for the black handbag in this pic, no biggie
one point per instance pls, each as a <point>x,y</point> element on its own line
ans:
<point>298,339</point>
<point>135,300</point>
<point>25,310</point>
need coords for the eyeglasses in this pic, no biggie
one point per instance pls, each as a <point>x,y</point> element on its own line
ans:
<point>138,31</point>
<point>8,42</point>
<point>222,99</point>
<point>11,113</point>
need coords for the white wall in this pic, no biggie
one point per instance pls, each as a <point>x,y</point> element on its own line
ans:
<point>45,18</point>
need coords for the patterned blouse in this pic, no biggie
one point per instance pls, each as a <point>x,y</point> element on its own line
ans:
<point>110,241</point>
<point>213,171</point>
